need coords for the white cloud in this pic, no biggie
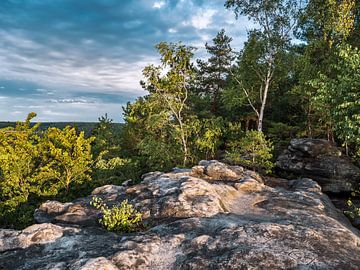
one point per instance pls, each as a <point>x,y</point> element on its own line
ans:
<point>104,73</point>
<point>57,112</point>
<point>203,18</point>
<point>159,4</point>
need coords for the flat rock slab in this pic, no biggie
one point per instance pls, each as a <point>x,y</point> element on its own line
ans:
<point>198,222</point>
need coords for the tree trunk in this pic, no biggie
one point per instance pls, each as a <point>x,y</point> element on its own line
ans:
<point>264,99</point>
<point>183,140</point>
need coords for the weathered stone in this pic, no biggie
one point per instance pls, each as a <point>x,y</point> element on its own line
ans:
<point>35,234</point>
<point>79,213</point>
<point>198,224</point>
<point>215,170</point>
<point>99,264</point>
<point>322,161</point>
<point>249,184</point>
<point>314,147</point>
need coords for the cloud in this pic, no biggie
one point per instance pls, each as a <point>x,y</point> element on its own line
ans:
<point>71,101</point>
<point>95,50</point>
<point>159,4</point>
<point>203,18</point>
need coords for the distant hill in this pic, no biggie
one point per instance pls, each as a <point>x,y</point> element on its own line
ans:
<point>87,127</point>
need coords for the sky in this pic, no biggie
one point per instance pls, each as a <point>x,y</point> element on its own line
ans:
<point>75,60</point>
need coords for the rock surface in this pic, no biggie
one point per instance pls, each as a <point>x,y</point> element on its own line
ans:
<point>211,217</point>
<point>321,161</point>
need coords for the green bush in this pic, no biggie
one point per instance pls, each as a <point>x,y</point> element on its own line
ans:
<point>111,165</point>
<point>36,166</point>
<point>253,150</point>
<point>120,218</point>
<point>67,156</point>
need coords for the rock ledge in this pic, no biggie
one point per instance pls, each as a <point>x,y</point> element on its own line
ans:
<point>214,216</point>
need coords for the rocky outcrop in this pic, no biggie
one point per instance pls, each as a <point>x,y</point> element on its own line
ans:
<point>211,217</point>
<point>321,161</point>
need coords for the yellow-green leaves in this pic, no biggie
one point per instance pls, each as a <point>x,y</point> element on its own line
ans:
<point>35,165</point>
<point>70,156</point>
<point>119,218</point>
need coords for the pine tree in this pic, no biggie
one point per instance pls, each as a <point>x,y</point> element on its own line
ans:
<point>214,72</point>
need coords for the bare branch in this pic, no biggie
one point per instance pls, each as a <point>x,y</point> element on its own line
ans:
<point>246,94</point>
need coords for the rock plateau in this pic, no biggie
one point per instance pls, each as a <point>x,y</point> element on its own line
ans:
<point>213,216</point>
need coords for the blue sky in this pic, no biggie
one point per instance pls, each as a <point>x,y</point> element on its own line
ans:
<point>75,60</point>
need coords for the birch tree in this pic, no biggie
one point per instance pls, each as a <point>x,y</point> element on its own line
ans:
<point>274,21</point>
<point>170,83</point>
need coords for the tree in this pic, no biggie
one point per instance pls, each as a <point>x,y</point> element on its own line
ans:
<point>342,94</point>
<point>111,164</point>
<point>324,26</point>
<point>214,72</point>
<point>19,160</point>
<point>148,135</point>
<point>276,20</point>
<point>173,87</point>
<point>68,156</point>
<point>107,139</point>
<point>253,150</point>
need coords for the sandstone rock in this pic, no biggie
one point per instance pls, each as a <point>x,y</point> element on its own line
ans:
<point>99,264</point>
<point>79,213</point>
<point>198,224</point>
<point>321,161</point>
<point>35,234</point>
<point>220,171</point>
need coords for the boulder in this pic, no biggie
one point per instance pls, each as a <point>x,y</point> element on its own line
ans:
<point>216,170</point>
<point>195,223</point>
<point>321,161</point>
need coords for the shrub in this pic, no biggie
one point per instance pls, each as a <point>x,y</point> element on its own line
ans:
<point>208,137</point>
<point>68,156</point>
<point>120,218</point>
<point>253,150</point>
<point>35,167</point>
<point>19,174</point>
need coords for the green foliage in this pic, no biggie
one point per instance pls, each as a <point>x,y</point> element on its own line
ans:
<point>208,137</point>
<point>253,150</point>
<point>107,139</point>
<point>122,218</point>
<point>193,113</point>
<point>354,209</point>
<point>262,55</point>
<point>34,167</point>
<point>19,159</point>
<point>213,73</point>
<point>342,96</point>
<point>325,25</point>
<point>111,165</point>
<point>329,20</point>
<point>67,156</point>
<point>149,135</point>
<point>171,90</point>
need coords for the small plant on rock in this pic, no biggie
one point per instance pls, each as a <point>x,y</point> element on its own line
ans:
<point>121,218</point>
<point>354,211</point>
